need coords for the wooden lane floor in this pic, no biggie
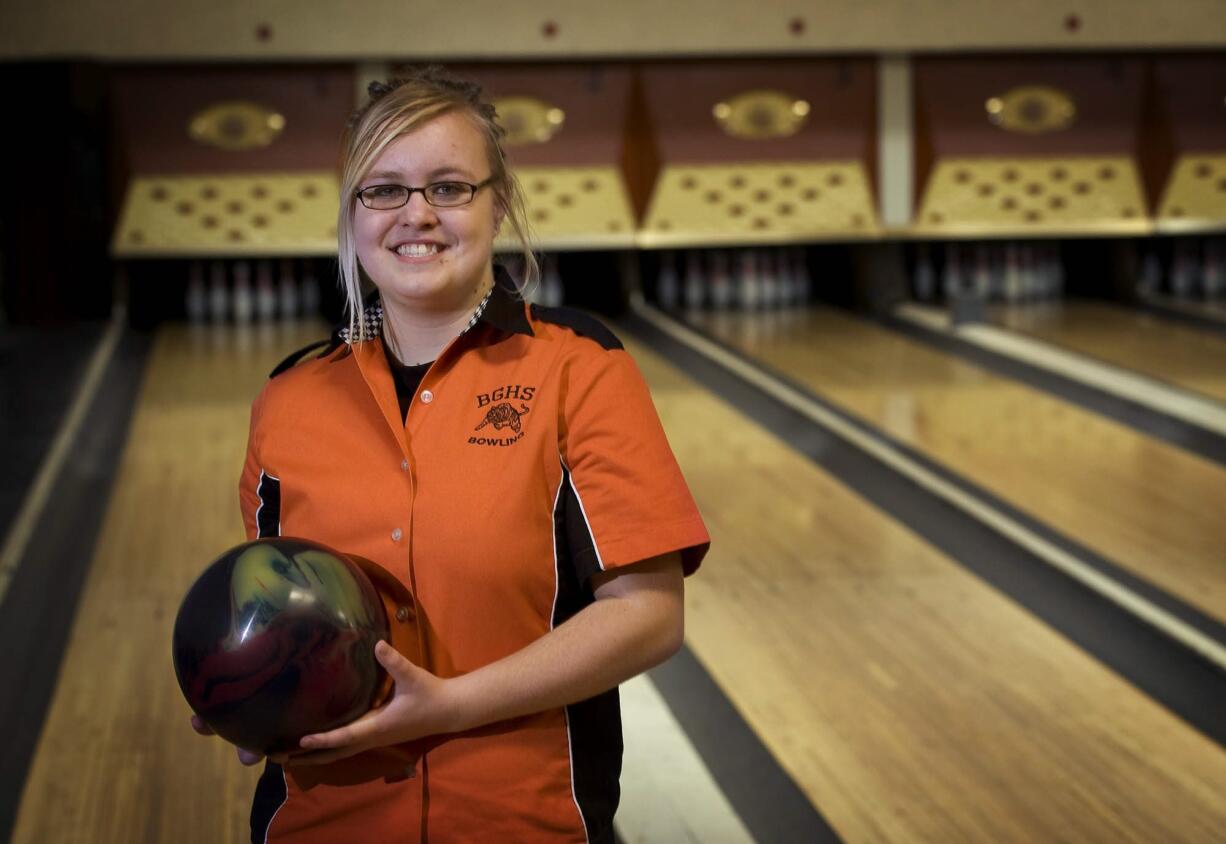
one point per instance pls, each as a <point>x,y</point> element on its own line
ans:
<point>910,702</point>
<point>1145,505</point>
<point>907,699</point>
<point>117,761</point>
<point>1178,353</point>
<point>1207,312</point>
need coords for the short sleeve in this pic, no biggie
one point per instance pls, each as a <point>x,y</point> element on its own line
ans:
<point>630,491</point>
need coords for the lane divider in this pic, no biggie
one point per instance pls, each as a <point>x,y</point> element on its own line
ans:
<point>1131,386</point>
<point>39,492</point>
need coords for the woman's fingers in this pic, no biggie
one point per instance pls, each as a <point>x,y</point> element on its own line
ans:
<point>393,660</point>
<point>249,757</point>
<point>339,743</point>
<point>320,757</point>
<point>367,728</point>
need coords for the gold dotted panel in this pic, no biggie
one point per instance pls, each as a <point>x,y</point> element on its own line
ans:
<point>751,203</point>
<point>1195,195</point>
<point>1052,196</point>
<point>575,208</point>
<point>268,213</point>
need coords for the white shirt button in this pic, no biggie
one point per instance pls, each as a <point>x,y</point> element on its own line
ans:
<point>402,614</point>
<point>404,465</point>
<point>427,396</point>
<point>396,534</point>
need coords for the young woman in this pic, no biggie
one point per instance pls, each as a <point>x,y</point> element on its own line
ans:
<point>505,464</point>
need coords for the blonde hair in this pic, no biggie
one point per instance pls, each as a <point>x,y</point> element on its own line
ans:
<point>395,108</point>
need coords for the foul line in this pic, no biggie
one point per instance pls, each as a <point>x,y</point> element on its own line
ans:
<point>40,490</point>
<point>1003,524</point>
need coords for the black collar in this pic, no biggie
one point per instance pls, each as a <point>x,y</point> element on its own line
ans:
<point>505,310</point>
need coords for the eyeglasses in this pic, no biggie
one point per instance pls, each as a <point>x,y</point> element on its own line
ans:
<point>439,194</point>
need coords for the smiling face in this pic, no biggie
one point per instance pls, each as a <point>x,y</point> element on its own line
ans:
<point>421,257</point>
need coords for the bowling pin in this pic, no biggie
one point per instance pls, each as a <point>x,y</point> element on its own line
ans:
<point>1149,277</point>
<point>768,279</point>
<point>1027,271</point>
<point>265,292</point>
<point>1048,276</point>
<point>219,293</point>
<point>951,279</point>
<point>1213,276</point>
<point>1013,274</point>
<point>801,277</point>
<point>668,288</point>
<point>309,292</point>
<point>996,266</point>
<point>552,292</point>
<point>982,277</point>
<point>1183,280</point>
<point>721,281</point>
<point>693,289</point>
<point>747,280</point>
<point>197,299</point>
<point>783,278</point>
<point>244,303</point>
<point>1058,278</point>
<point>287,292</point>
<point>925,275</point>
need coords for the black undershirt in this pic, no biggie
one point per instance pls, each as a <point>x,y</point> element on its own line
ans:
<point>407,379</point>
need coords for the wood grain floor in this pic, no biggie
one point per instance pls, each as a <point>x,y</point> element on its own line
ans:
<point>1183,355</point>
<point>1148,506</point>
<point>117,761</point>
<point>909,701</point>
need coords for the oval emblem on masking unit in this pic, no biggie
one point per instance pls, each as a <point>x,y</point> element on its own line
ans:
<point>1033,109</point>
<point>528,120</point>
<point>236,125</point>
<point>761,114</point>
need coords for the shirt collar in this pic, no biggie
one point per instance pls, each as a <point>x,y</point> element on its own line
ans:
<point>506,310</point>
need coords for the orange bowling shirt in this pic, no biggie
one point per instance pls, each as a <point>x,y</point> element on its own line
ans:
<point>531,458</point>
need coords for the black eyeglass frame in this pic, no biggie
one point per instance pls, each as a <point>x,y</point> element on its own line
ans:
<point>422,190</point>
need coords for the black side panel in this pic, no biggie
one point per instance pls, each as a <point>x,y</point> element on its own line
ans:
<point>268,516</point>
<point>270,795</point>
<point>595,723</point>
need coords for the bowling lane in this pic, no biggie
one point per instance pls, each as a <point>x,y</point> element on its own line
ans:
<point>116,761</point>
<point>1180,354</point>
<point>907,699</point>
<point>1148,506</point>
<point>1213,311</point>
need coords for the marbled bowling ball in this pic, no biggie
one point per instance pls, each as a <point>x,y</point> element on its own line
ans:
<point>276,640</point>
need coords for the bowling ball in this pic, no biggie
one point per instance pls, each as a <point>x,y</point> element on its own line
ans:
<point>276,640</point>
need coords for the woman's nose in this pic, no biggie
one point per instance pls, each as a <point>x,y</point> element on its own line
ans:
<point>417,212</point>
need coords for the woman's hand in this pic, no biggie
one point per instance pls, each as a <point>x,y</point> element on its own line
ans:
<point>418,707</point>
<point>247,757</point>
<point>636,622</point>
